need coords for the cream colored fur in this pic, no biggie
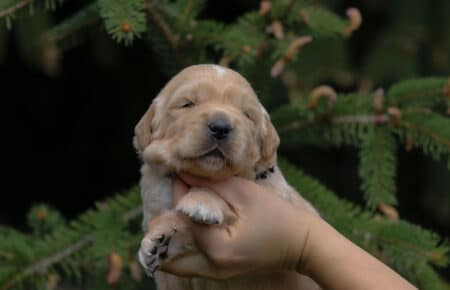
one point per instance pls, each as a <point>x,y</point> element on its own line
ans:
<point>171,136</point>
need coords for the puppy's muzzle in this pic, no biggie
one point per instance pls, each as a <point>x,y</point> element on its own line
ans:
<point>219,128</point>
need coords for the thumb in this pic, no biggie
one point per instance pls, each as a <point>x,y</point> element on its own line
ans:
<point>211,238</point>
<point>230,189</point>
<point>194,181</point>
<point>179,189</point>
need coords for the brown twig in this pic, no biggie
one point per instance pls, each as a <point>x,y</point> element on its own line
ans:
<point>352,119</point>
<point>161,25</point>
<point>6,255</point>
<point>171,38</point>
<point>14,8</point>
<point>426,132</point>
<point>360,119</point>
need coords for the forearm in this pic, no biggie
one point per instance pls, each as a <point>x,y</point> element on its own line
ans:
<point>336,263</point>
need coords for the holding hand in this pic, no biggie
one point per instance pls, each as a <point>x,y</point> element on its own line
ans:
<point>269,233</point>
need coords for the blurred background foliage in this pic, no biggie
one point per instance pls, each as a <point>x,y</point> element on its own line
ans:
<point>77,75</point>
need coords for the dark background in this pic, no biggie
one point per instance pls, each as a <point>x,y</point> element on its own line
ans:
<point>67,140</point>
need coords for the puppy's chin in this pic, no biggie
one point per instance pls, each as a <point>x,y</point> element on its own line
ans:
<point>211,165</point>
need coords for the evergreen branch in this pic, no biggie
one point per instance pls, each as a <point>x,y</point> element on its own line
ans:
<point>298,124</point>
<point>125,19</point>
<point>289,7</point>
<point>67,241</point>
<point>377,166</point>
<point>406,247</point>
<point>44,265</point>
<point>168,35</point>
<point>132,214</point>
<point>17,6</point>
<point>6,255</point>
<point>162,26</point>
<point>361,119</point>
<point>426,132</point>
<point>417,92</point>
<point>429,131</point>
<point>41,267</point>
<point>88,16</point>
<point>211,32</point>
<point>184,14</point>
<point>299,116</point>
<point>338,120</point>
<point>323,22</point>
<point>241,40</point>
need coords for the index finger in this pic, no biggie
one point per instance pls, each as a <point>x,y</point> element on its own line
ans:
<point>231,190</point>
<point>179,189</point>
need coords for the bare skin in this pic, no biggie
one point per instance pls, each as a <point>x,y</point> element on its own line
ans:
<point>270,234</point>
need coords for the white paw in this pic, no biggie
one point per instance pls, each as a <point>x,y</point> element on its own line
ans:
<point>200,213</point>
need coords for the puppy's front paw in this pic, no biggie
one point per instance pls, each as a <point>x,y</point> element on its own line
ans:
<point>154,249</point>
<point>202,206</point>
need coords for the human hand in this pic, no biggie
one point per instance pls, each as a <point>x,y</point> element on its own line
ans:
<point>271,234</point>
<point>267,234</point>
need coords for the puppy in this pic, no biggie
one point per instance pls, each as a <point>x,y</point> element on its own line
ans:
<point>206,121</point>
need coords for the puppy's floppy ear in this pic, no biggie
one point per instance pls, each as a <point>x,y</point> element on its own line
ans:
<point>143,131</point>
<point>269,139</point>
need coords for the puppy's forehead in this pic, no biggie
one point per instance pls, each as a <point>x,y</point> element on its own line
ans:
<point>221,78</point>
<point>220,70</point>
<point>212,72</point>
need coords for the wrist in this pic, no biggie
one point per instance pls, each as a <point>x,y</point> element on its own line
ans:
<point>306,241</point>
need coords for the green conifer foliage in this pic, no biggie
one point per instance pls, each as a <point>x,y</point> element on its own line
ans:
<point>124,20</point>
<point>377,166</point>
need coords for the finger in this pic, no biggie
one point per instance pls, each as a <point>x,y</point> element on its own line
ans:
<point>192,265</point>
<point>179,189</point>
<point>210,238</point>
<point>194,181</point>
<point>218,244</point>
<point>230,189</point>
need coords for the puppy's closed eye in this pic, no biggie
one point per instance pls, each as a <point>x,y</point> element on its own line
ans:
<point>183,103</point>
<point>250,115</point>
<point>188,104</point>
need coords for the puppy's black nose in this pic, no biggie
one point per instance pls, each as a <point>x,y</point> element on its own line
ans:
<point>219,128</point>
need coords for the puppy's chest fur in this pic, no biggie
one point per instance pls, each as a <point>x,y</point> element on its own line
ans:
<point>157,198</point>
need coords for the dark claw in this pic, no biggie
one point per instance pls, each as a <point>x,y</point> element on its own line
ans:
<point>161,238</point>
<point>163,249</point>
<point>262,175</point>
<point>150,274</point>
<point>165,242</point>
<point>154,268</point>
<point>152,261</point>
<point>214,222</point>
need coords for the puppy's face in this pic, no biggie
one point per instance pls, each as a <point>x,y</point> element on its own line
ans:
<point>207,121</point>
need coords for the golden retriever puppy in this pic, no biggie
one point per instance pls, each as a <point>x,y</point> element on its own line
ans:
<point>206,121</point>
